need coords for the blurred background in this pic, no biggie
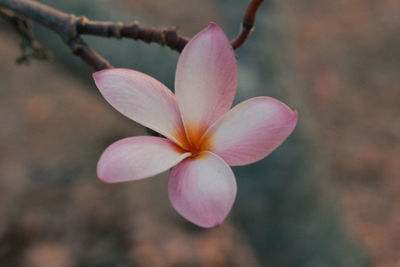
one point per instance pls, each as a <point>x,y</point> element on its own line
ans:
<point>329,196</point>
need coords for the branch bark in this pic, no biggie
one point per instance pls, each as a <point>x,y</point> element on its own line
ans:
<point>247,24</point>
<point>70,28</point>
<point>60,23</point>
<point>163,36</point>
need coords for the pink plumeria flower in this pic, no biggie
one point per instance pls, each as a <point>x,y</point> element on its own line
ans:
<point>203,137</point>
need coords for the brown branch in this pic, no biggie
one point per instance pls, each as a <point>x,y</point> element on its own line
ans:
<point>69,27</point>
<point>163,36</point>
<point>62,24</point>
<point>247,23</point>
<point>80,48</point>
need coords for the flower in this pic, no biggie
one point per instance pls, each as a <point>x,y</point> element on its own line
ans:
<point>203,136</point>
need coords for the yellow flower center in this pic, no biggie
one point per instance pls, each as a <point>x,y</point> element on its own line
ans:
<point>194,141</point>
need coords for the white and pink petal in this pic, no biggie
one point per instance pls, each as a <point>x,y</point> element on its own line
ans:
<point>138,157</point>
<point>202,189</point>
<point>206,80</point>
<point>250,131</point>
<point>142,99</point>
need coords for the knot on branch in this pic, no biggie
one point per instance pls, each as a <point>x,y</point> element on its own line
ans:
<point>173,40</point>
<point>132,30</point>
<point>115,30</point>
<point>68,31</point>
<point>80,22</point>
<point>76,44</point>
<point>109,29</point>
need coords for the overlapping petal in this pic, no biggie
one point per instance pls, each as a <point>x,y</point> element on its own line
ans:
<point>142,99</point>
<point>251,130</point>
<point>206,80</point>
<point>202,189</point>
<point>137,158</point>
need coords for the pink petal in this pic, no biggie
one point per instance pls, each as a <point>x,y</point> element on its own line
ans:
<point>142,99</point>
<point>250,131</point>
<point>202,189</point>
<point>137,158</point>
<point>206,80</point>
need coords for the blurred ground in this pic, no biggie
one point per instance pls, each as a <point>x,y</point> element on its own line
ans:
<point>327,197</point>
<point>347,57</point>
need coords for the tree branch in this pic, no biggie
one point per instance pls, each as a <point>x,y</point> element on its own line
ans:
<point>247,24</point>
<point>162,36</point>
<point>62,24</point>
<point>69,27</point>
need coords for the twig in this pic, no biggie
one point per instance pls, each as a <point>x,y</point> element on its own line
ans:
<point>163,36</point>
<point>62,24</point>
<point>247,23</point>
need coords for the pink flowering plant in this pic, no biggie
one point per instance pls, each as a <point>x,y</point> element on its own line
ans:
<point>204,137</point>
